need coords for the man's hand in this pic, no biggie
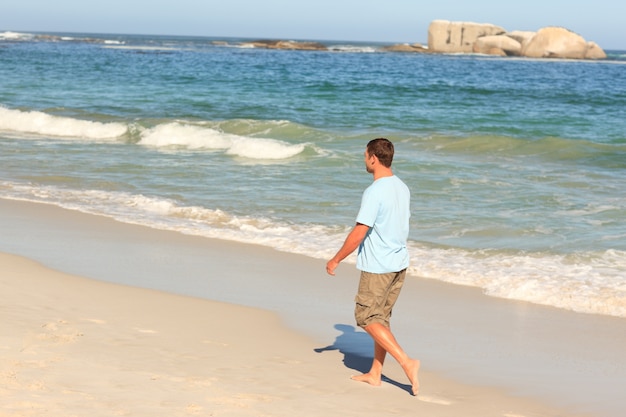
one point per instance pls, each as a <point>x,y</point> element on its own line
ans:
<point>353,240</point>
<point>331,266</point>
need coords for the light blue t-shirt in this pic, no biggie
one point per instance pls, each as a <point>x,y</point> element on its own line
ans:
<point>385,208</point>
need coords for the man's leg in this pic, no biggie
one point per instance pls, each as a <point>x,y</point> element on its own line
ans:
<point>374,376</point>
<point>381,304</point>
<point>385,340</point>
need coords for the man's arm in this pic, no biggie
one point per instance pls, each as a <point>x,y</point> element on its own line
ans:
<point>353,240</point>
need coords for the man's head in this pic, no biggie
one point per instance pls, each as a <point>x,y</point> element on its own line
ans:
<point>382,149</point>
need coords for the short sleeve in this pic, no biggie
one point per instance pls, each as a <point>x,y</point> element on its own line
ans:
<point>369,208</point>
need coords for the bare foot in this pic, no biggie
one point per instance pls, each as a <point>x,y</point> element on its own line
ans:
<point>368,378</point>
<point>412,368</point>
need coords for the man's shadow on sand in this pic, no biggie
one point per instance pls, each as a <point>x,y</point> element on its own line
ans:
<point>357,348</point>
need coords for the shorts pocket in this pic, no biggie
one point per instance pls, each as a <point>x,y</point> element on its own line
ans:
<point>362,310</point>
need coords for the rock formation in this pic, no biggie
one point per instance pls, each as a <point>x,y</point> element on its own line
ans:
<point>445,36</point>
<point>458,37</point>
<point>550,42</point>
<point>556,42</point>
<point>497,45</point>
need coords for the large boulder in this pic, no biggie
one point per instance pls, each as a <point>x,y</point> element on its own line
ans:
<point>502,45</point>
<point>558,42</point>
<point>458,37</point>
<point>594,51</point>
<point>522,36</point>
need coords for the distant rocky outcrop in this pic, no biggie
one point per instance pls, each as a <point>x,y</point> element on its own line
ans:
<point>449,37</point>
<point>290,45</point>
<point>550,42</point>
<point>467,37</point>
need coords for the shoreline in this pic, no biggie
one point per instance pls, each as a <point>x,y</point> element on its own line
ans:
<point>455,331</point>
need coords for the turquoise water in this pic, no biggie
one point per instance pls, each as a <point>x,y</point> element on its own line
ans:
<point>517,167</point>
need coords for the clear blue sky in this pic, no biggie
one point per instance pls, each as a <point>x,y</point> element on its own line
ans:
<point>601,21</point>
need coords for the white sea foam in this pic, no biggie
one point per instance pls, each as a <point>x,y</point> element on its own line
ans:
<point>188,136</point>
<point>586,283</point>
<point>353,48</point>
<point>167,214</point>
<point>16,36</point>
<point>260,148</point>
<point>583,282</point>
<point>43,124</point>
<point>166,135</point>
<point>123,46</point>
<point>199,137</point>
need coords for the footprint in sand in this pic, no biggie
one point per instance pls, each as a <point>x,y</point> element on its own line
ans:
<point>215,342</point>
<point>194,409</point>
<point>147,331</point>
<point>434,400</point>
<point>57,332</point>
<point>96,321</point>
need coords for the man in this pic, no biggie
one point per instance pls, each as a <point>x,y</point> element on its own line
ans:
<point>380,234</point>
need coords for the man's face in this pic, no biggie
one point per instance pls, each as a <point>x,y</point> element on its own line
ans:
<point>369,162</point>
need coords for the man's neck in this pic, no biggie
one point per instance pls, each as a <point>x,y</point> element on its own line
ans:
<point>382,172</point>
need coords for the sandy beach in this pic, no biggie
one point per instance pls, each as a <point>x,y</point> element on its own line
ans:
<point>142,322</point>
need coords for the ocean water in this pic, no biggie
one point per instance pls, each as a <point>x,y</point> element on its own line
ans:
<point>517,167</point>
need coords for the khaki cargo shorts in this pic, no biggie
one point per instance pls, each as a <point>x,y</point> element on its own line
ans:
<point>376,297</point>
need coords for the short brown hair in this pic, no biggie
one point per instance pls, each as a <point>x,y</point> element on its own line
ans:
<point>383,149</point>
